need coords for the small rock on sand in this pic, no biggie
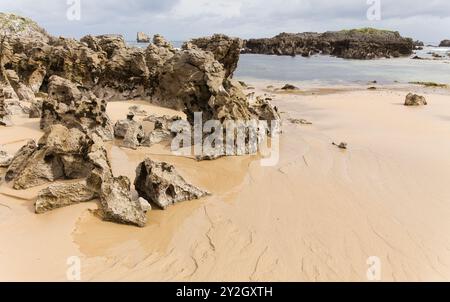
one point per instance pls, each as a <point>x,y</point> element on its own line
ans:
<point>415,100</point>
<point>299,121</point>
<point>290,87</point>
<point>342,145</point>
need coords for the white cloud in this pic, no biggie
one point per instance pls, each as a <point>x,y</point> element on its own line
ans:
<point>206,8</point>
<point>181,19</point>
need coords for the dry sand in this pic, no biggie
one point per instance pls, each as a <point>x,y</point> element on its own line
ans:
<point>316,216</point>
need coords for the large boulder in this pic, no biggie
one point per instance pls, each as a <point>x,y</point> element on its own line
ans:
<point>67,105</point>
<point>118,205</point>
<point>116,202</point>
<point>62,195</point>
<point>61,154</point>
<point>126,74</point>
<point>195,81</point>
<point>226,50</point>
<point>160,183</point>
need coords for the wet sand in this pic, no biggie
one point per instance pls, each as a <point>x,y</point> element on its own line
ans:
<point>316,216</point>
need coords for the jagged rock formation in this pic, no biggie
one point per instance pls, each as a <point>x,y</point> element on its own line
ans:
<point>160,183</point>
<point>67,105</point>
<point>131,131</point>
<point>62,195</point>
<point>117,203</point>
<point>121,126</point>
<point>226,50</point>
<point>20,160</point>
<point>162,129</point>
<point>265,111</point>
<point>365,43</point>
<point>115,192</point>
<point>134,136</point>
<point>64,153</point>
<point>77,78</point>
<point>60,154</point>
<point>23,92</point>
<point>142,38</point>
<point>13,25</point>
<point>415,100</point>
<point>196,82</point>
<point>445,43</point>
<point>196,78</point>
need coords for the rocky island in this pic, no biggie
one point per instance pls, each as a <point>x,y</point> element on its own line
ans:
<point>445,43</point>
<point>364,44</point>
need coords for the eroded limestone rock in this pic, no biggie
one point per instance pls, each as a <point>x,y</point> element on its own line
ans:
<point>61,154</point>
<point>117,203</point>
<point>162,129</point>
<point>62,195</point>
<point>134,136</point>
<point>131,131</point>
<point>226,50</point>
<point>160,183</point>
<point>20,160</point>
<point>67,105</point>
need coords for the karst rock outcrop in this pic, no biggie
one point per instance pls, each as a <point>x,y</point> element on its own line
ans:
<point>160,183</point>
<point>59,154</point>
<point>226,50</point>
<point>68,105</point>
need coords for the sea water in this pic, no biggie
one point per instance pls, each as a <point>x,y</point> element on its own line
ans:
<point>332,70</point>
<point>324,70</point>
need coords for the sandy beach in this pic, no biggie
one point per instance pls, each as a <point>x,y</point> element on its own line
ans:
<point>316,216</point>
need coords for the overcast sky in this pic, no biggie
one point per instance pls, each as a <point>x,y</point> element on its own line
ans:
<point>427,20</point>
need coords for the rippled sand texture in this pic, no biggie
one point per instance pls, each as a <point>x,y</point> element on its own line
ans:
<point>316,216</point>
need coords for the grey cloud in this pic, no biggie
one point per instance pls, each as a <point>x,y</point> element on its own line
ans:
<point>425,20</point>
